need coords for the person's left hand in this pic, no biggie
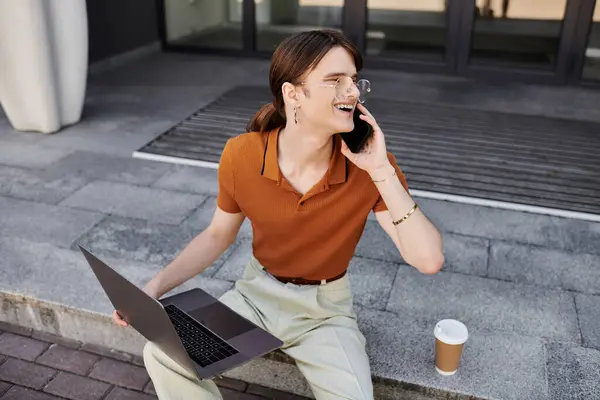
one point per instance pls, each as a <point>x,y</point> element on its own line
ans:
<point>373,156</point>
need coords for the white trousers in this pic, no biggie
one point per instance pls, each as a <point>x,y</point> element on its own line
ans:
<point>316,323</point>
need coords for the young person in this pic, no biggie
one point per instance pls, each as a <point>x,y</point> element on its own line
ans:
<point>308,198</point>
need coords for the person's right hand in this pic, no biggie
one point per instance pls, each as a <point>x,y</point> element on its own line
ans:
<point>118,319</point>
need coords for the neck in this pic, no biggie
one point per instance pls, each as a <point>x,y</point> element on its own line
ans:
<point>304,149</point>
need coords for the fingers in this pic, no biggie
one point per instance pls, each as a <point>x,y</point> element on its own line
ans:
<point>367,116</point>
<point>118,320</point>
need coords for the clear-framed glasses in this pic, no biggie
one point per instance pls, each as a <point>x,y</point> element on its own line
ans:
<point>343,88</point>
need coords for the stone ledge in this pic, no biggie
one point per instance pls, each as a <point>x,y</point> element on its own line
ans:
<point>96,330</point>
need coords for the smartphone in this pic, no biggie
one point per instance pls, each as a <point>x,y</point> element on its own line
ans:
<point>360,135</point>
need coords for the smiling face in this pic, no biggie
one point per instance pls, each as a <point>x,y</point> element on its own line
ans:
<point>323,107</point>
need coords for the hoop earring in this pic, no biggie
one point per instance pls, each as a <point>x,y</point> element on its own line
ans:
<point>295,116</point>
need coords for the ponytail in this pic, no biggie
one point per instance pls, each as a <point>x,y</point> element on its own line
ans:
<point>266,119</point>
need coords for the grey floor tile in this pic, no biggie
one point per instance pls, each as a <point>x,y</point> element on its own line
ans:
<point>93,166</point>
<point>142,241</point>
<point>48,273</point>
<point>134,201</point>
<point>201,218</point>
<point>44,223</point>
<point>29,155</point>
<point>190,179</point>
<point>493,365</point>
<point>545,267</point>
<point>588,310</point>
<point>464,254</point>
<point>37,185</point>
<point>485,304</point>
<point>376,244</point>
<point>371,281</point>
<point>573,372</point>
<point>527,228</point>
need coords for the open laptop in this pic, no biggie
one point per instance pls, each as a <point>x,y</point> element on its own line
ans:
<point>195,329</point>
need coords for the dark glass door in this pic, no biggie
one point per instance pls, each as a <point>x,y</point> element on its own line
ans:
<point>513,38</point>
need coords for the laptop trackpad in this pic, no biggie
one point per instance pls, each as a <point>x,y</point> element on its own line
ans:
<point>222,320</point>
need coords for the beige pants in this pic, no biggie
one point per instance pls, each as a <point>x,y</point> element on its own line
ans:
<point>316,323</point>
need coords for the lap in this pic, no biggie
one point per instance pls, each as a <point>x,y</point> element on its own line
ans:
<point>334,360</point>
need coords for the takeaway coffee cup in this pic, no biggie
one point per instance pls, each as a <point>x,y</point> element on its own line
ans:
<point>450,337</point>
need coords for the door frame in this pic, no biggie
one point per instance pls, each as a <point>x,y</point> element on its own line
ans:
<point>580,43</point>
<point>355,26</point>
<point>521,72</point>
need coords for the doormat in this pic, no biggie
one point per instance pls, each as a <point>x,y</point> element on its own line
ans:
<point>447,151</point>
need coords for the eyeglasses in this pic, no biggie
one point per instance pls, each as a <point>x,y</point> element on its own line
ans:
<point>343,86</point>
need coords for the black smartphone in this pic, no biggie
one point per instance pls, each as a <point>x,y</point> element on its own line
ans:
<point>360,135</point>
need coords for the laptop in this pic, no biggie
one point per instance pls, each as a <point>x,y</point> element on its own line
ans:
<point>193,328</point>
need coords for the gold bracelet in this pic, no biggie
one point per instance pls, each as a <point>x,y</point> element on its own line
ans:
<point>384,179</point>
<point>408,214</point>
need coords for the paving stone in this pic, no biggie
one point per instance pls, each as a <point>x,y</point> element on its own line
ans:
<point>48,337</point>
<point>134,201</point>
<point>76,387</point>
<point>134,239</point>
<point>588,310</point>
<point>371,281</point>
<point>93,166</point>
<point>124,394</point>
<point>229,394</point>
<point>201,218</point>
<point>46,272</point>
<point>485,303</point>
<point>375,243</point>
<point>269,393</point>
<point>21,393</point>
<point>464,254</point>
<point>545,267</point>
<point>44,223</point>
<point>4,386</point>
<point>25,373</point>
<point>493,365</point>
<point>59,357</point>
<point>232,384</point>
<point>553,232</point>
<point>233,268</point>
<point>150,388</point>
<point>37,185</point>
<point>106,352</point>
<point>573,372</point>
<point>120,374</point>
<point>29,155</point>
<point>190,179</point>
<point>21,347</point>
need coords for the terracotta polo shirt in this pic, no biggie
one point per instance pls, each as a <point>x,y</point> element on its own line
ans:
<point>311,236</point>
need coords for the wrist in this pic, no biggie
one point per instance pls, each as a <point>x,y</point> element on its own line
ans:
<point>381,173</point>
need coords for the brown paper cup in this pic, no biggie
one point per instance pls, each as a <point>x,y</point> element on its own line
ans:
<point>450,337</point>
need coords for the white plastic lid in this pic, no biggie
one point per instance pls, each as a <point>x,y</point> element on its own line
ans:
<point>451,331</point>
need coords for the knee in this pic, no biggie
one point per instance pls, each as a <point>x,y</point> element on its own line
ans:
<point>148,352</point>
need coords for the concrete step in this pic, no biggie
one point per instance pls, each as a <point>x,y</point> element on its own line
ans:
<point>524,338</point>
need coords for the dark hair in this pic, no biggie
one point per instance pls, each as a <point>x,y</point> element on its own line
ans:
<point>293,57</point>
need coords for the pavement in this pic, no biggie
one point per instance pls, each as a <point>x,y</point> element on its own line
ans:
<point>526,285</point>
<point>38,366</point>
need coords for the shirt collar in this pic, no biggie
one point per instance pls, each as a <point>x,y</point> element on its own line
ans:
<point>337,172</point>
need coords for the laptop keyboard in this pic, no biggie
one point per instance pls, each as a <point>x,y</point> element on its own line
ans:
<point>202,345</point>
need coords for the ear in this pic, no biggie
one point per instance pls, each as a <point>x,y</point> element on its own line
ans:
<point>290,94</point>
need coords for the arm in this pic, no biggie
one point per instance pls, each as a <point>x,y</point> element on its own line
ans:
<point>199,254</point>
<point>417,239</point>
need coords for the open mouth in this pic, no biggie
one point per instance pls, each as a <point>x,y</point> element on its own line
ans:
<point>347,108</point>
